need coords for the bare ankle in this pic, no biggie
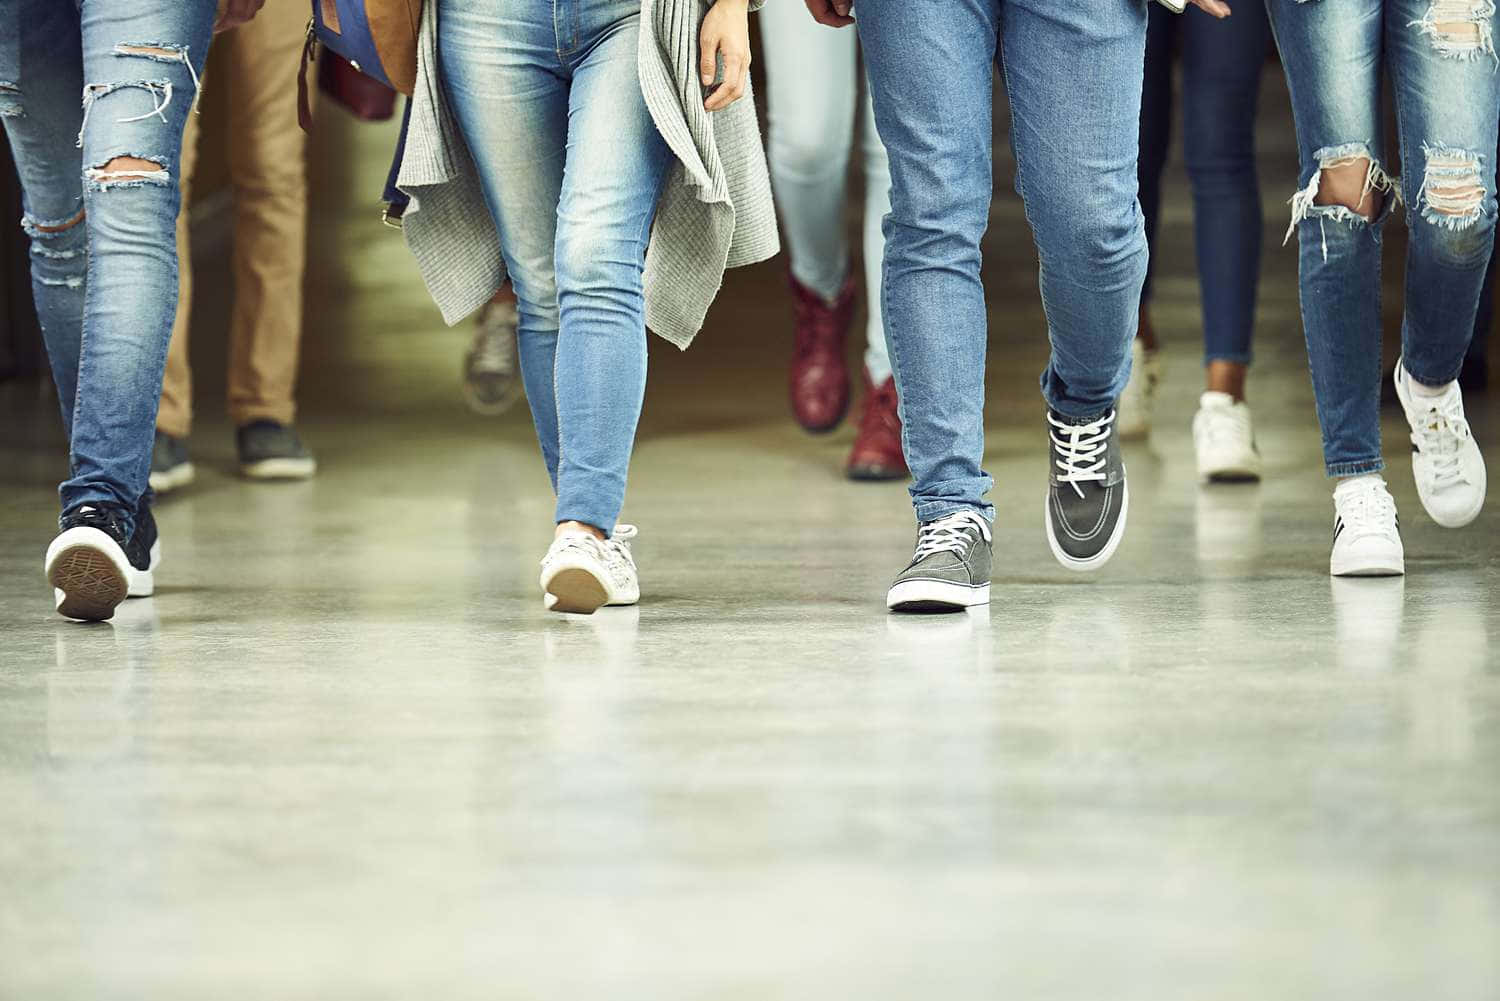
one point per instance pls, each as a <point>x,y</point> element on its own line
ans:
<point>577,528</point>
<point>1227,377</point>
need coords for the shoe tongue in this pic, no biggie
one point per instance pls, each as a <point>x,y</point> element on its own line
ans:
<point>1212,399</point>
<point>1358,484</point>
<point>1073,421</point>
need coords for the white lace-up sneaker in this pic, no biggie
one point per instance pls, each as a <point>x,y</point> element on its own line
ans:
<point>1366,531</point>
<point>1224,440</point>
<point>1139,398</point>
<point>1445,459</point>
<point>581,573</point>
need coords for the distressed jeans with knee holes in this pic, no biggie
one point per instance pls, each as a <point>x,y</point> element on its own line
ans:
<point>1446,80</point>
<point>1073,75</point>
<point>548,96</point>
<point>93,97</point>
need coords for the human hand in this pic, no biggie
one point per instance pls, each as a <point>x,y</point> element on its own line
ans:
<point>1218,8</point>
<point>834,13</point>
<point>725,35</point>
<point>234,13</point>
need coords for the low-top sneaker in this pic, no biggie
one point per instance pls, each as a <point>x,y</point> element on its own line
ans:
<point>93,564</point>
<point>1366,531</point>
<point>1087,500</point>
<point>950,569</point>
<point>171,467</point>
<point>582,573</point>
<point>1139,398</point>
<point>270,450</point>
<point>1224,440</point>
<point>1445,459</point>
<point>492,377</point>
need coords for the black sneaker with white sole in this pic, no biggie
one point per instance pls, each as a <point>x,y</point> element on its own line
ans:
<point>1087,499</point>
<point>93,565</point>
<point>171,467</point>
<point>273,451</point>
<point>950,569</point>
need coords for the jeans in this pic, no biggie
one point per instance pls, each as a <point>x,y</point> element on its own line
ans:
<point>547,95</point>
<point>1447,97</point>
<point>1073,72</point>
<point>812,75</point>
<point>103,252</point>
<point>1221,68</point>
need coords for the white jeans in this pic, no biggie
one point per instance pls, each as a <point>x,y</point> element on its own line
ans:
<point>813,93</point>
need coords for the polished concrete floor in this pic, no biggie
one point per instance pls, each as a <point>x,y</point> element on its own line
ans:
<point>344,753</point>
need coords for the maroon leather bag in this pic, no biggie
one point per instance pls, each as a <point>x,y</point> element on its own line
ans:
<point>362,95</point>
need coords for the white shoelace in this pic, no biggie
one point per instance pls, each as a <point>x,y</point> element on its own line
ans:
<point>618,547</point>
<point>1366,510</point>
<point>613,554</point>
<point>1441,435</point>
<point>950,534</point>
<point>1083,450</point>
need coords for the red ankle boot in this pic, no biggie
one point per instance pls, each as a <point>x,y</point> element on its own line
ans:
<point>877,448</point>
<point>819,379</point>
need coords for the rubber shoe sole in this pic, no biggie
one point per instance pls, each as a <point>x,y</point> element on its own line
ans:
<point>1383,562</point>
<point>280,469</point>
<point>1098,560</point>
<point>177,477</point>
<point>576,590</point>
<point>89,574</point>
<point>935,596</point>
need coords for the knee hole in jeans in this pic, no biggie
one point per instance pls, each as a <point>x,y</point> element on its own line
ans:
<point>126,171</point>
<point>1460,29</point>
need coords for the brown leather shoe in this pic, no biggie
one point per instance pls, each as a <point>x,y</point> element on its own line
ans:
<point>820,374</point>
<point>877,448</point>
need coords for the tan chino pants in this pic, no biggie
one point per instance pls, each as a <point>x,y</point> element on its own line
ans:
<point>268,172</point>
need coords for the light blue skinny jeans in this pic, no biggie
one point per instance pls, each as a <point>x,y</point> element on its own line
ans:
<point>81,83</point>
<point>549,101</point>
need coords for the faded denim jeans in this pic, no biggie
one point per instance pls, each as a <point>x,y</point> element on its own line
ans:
<point>549,100</point>
<point>83,82</point>
<point>1073,72</point>
<point>1442,61</point>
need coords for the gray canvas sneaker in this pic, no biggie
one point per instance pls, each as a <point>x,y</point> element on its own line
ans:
<point>950,569</point>
<point>1087,500</point>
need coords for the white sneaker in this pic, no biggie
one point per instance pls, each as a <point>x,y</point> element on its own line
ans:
<point>581,574</point>
<point>1224,440</point>
<point>1445,459</point>
<point>1133,412</point>
<point>1366,532</point>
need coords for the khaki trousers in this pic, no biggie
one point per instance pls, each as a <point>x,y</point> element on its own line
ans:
<point>268,173</point>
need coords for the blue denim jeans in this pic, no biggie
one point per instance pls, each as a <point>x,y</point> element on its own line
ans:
<point>103,243</point>
<point>1447,96</point>
<point>549,101</point>
<point>1221,69</point>
<point>812,100</point>
<point>1073,74</point>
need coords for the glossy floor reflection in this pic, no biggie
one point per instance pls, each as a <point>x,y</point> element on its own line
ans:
<point>344,753</point>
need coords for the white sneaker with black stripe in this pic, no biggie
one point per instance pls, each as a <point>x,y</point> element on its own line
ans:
<point>1366,531</point>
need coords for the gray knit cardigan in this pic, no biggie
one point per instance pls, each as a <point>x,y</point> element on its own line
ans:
<point>715,211</point>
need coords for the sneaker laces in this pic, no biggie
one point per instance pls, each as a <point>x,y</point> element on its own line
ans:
<point>1440,435</point>
<point>949,535</point>
<point>1083,450</point>
<point>1366,510</point>
<point>618,547</point>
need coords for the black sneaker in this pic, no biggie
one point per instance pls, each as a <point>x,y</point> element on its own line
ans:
<point>93,565</point>
<point>272,451</point>
<point>950,569</point>
<point>170,466</point>
<point>1087,499</point>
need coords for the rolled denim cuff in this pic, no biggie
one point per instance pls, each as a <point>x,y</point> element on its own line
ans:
<point>1357,468</point>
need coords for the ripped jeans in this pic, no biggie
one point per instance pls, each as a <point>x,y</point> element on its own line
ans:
<point>1442,60</point>
<point>94,95</point>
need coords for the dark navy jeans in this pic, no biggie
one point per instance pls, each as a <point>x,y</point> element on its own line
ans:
<point>1221,70</point>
